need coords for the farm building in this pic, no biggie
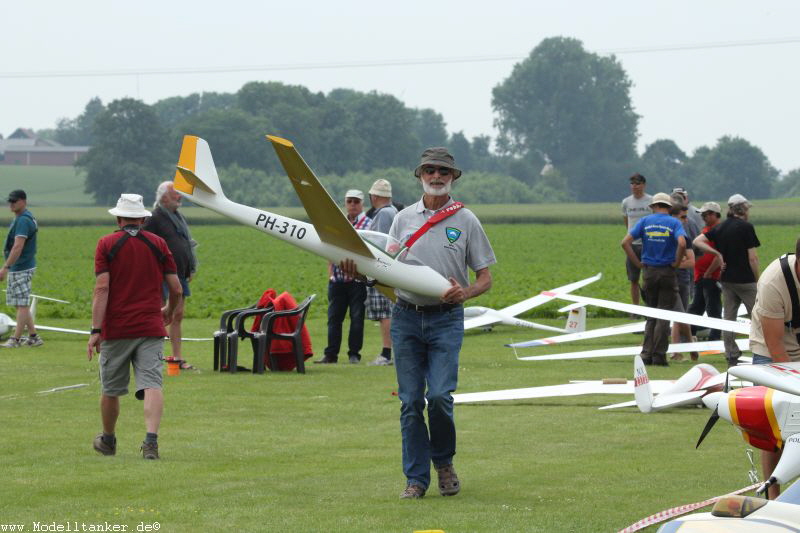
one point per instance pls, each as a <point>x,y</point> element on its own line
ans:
<point>23,147</point>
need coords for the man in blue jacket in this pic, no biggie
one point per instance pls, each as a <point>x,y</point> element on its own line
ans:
<point>663,245</point>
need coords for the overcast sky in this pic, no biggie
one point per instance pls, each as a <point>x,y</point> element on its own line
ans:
<point>700,69</point>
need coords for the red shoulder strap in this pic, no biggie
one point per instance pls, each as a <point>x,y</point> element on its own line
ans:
<point>435,219</point>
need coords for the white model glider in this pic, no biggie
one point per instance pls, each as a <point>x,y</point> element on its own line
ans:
<point>767,418</point>
<point>582,335</point>
<point>475,316</point>
<point>705,346</point>
<point>329,235</point>
<point>7,323</point>
<point>661,314</point>
<point>650,396</point>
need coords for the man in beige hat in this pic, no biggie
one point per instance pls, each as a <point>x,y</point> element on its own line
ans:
<point>663,245</point>
<point>379,307</point>
<point>128,321</point>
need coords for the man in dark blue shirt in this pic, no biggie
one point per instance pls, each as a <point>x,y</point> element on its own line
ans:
<point>663,245</point>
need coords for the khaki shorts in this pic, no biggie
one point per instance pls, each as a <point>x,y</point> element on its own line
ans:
<point>146,354</point>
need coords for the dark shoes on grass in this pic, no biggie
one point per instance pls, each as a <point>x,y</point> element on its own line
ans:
<point>101,446</point>
<point>150,450</point>
<point>448,480</point>
<point>448,484</point>
<point>412,492</point>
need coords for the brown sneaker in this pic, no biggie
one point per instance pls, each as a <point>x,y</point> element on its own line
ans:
<point>150,450</point>
<point>412,492</point>
<point>448,480</point>
<point>100,445</point>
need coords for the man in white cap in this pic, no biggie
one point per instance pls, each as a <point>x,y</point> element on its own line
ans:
<point>663,246</point>
<point>379,307</point>
<point>128,321</point>
<point>346,293</point>
<point>736,242</point>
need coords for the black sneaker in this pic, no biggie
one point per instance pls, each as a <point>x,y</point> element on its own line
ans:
<point>150,450</point>
<point>100,446</point>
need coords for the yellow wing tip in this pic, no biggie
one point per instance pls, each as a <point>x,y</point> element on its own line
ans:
<point>279,140</point>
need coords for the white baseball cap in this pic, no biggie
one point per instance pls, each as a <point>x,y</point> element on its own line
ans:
<point>354,193</point>
<point>737,199</point>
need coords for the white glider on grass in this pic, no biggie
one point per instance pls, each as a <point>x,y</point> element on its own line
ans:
<point>705,347</point>
<point>476,316</point>
<point>330,235</point>
<point>7,323</point>
<point>741,326</point>
<point>689,389</point>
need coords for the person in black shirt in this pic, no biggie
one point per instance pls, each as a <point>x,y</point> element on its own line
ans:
<point>736,243</point>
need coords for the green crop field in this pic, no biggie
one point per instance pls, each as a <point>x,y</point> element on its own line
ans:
<point>46,186</point>
<point>321,451</point>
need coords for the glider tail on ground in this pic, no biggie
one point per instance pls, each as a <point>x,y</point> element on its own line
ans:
<point>196,174</point>
<point>642,391</point>
<point>576,320</point>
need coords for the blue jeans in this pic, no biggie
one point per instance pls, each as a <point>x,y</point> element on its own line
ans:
<point>342,297</point>
<point>761,359</point>
<point>426,347</point>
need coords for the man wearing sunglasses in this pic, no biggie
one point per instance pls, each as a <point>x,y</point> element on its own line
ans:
<point>427,332</point>
<point>19,265</point>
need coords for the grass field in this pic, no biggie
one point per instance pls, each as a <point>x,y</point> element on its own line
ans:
<point>321,451</point>
<point>46,186</point>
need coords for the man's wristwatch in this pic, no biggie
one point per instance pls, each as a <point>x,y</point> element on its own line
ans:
<point>95,331</point>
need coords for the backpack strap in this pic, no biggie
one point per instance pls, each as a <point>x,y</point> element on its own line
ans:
<point>448,211</point>
<point>790,284</point>
<point>160,257</point>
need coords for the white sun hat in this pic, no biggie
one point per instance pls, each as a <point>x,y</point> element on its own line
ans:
<point>130,206</point>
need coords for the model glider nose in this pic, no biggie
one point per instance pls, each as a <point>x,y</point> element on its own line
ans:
<point>712,400</point>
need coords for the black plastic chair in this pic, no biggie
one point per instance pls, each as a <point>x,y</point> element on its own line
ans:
<point>239,331</point>
<point>263,338</point>
<point>222,340</point>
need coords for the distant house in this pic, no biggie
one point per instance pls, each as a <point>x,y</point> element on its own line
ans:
<point>23,147</point>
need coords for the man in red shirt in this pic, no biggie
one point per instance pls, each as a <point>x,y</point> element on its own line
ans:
<point>707,294</point>
<point>128,320</point>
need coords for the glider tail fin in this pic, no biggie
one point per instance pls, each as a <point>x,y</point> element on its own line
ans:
<point>196,175</point>
<point>642,391</point>
<point>576,320</point>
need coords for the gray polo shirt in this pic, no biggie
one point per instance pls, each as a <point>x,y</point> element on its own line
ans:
<point>382,218</point>
<point>448,247</point>
<point>636,208</point>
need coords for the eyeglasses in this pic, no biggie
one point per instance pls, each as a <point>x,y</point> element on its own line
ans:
<point>353,200</point>
<point>443,171</point>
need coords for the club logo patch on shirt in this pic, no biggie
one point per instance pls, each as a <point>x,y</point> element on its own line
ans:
<point>452,234</point>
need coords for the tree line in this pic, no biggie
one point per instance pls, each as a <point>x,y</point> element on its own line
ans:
<point>567,132</point>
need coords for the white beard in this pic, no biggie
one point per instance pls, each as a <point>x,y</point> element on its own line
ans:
<point>437,191</point>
